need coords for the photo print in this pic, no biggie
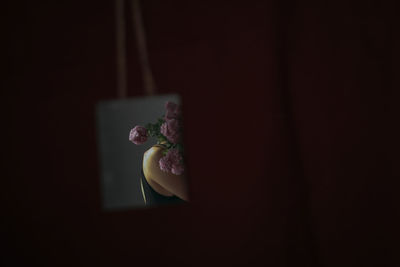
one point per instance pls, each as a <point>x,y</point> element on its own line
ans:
<point>141,152</point>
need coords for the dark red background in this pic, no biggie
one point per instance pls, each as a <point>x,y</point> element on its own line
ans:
<point>291,129</point>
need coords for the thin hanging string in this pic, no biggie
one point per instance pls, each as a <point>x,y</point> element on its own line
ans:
<point>148,80</point>
<point>121,48</point>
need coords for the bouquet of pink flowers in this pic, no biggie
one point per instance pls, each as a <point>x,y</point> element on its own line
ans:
<point>167,130</point>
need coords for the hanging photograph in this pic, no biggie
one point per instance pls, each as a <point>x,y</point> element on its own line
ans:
<point>141,152</point>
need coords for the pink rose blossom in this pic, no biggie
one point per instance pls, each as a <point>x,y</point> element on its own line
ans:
<point>177,169</point>
<point>138,135</point>
<point>172,111</point>
<point>170,129</point>
<point>172,162</point>
<point>165,164</point>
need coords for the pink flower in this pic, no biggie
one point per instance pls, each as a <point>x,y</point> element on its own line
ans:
<point>172,162</point>
<point>165,164</point>
<point>172,111</point>
<point>138,135</point>
<point>170,129</point>
<point>177,169</point>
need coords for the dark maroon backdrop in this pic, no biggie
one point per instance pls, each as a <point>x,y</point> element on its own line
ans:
<point>291,133</point>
